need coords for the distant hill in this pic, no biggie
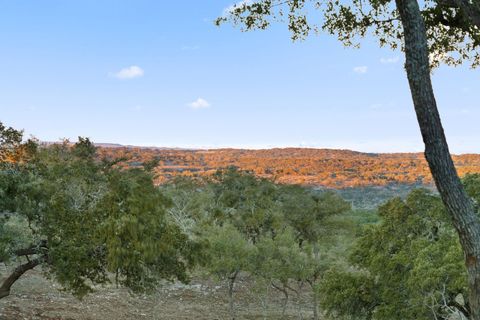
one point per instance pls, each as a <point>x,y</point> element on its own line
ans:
<point>316,167</point>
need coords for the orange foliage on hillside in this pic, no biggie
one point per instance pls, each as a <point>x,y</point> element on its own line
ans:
<point>319,167</point>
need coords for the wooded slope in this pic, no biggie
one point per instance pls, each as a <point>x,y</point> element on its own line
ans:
<point>318,167</point>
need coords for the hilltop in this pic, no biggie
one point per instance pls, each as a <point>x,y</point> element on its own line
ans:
<point>315,167</point>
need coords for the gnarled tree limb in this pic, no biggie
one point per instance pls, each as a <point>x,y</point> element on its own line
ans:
<point>16,274</point>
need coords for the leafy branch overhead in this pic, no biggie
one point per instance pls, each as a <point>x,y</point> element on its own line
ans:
<point>453,26</point>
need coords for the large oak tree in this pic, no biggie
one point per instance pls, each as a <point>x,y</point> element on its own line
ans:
<point>82,219</point>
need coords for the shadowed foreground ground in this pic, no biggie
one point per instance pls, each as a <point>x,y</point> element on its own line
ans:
<point>33,297</point>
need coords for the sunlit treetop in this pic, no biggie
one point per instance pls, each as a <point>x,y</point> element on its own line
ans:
<point>12,147</point>
<point>453,26</point>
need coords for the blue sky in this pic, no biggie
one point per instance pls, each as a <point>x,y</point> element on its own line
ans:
<point>159,73</point>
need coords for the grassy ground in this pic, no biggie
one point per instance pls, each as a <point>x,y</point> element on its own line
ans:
<point>34,297</point>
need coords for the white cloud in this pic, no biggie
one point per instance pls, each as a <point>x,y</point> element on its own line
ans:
<point>389,60</point>
<point>230,8</point>
<point>200,103</point>
<point>129,73</point>
<point>360,69</point>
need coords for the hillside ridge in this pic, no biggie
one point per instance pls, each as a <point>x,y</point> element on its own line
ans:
<point>330,168</point>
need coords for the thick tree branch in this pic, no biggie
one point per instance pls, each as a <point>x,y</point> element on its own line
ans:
<point>38,248</point>
<point>471,11</point>
<point>16,274</point>
<point>33,249</point>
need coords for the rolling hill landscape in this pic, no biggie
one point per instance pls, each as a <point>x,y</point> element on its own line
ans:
<point>329,168</point>
<point>210,160</point>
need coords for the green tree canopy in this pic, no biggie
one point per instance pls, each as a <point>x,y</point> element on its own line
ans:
<point>308,211</point>
<point>409,266</point>
<point>228,254</point>
<point>248,202</point>
<point>83,219</point>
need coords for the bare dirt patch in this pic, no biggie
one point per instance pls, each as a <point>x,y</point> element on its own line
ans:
<point>34,297</point>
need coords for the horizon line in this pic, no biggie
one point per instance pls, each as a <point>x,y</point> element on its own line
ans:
<point>247,148</point>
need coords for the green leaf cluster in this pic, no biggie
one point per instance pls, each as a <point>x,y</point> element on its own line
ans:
<point>409,266</point>
<point>453,26</point>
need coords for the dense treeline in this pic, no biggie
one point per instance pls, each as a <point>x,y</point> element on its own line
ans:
<point>314,167</point>
<point>87,220</point>
<point>281,235</point>
<point>405,263</point>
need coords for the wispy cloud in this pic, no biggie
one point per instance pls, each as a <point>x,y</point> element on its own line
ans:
<point>200,103</point>
<point>391,60</point>
<point>129,73</point>
<point>360,69</point>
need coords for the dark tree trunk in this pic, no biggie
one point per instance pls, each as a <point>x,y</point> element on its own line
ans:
<point>15,275</point>
<point>315,304</point>
<point>312,283</point>
<point>285,302</point>
<point>299,299</point>
<point>457,202</point>
<point>231,285</point>
<point>286,296</point>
